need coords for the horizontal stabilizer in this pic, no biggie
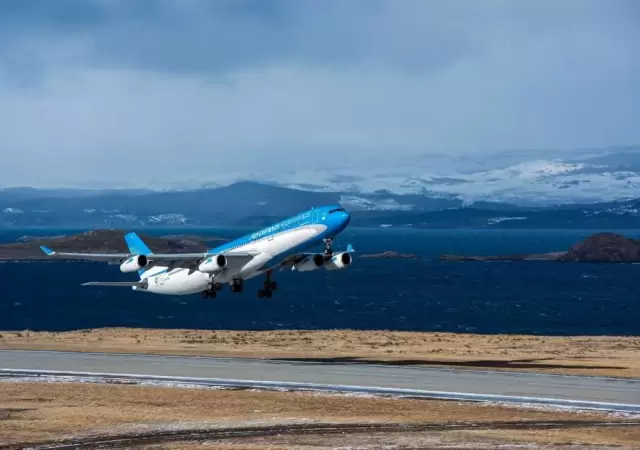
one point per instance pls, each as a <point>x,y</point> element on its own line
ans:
<point>141,284</point>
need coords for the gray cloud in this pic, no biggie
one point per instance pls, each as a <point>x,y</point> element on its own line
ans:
<point>154,90</point>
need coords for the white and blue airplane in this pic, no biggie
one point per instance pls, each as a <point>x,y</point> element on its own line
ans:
<point>282,245</point>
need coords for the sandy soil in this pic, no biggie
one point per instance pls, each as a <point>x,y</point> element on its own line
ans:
<point>32,412</point>
<point>609,356</point>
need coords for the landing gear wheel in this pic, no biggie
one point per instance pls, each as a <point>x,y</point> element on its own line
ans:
<point>236,286</point>
<point>217,286</point>
<point>208,294</point>
<point>273,286</point>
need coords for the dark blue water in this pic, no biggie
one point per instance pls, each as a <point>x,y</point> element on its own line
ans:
<point>425,295</point>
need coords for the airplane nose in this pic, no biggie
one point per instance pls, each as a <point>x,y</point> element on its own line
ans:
<point>346,218</point>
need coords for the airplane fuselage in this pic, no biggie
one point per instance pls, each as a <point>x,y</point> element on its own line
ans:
<point>269,245</point>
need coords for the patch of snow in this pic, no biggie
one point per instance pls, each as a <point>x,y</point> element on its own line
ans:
<point>356,203</point>
<point>124,217</point>
<point>12,211</point>
<point>496,220</point>
<point>621,210</point>
<point>168,219</point>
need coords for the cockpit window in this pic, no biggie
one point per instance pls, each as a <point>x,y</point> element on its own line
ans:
<point>336,210</point>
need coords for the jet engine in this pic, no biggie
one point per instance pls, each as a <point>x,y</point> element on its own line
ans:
<point>339,261</point>
<point>213,264</point>
<point>310,263</point>
<point>134,263</point>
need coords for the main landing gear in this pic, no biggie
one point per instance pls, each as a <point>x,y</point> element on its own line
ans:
<point>212,290</point>
<point>268,287</point>
<point>236,286</point>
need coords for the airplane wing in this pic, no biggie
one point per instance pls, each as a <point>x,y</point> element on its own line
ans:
<point>154,257</point>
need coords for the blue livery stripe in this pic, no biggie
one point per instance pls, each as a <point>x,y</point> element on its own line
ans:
<point>46,250</point>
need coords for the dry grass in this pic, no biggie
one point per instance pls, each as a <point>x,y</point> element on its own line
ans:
<point>609,356</point>
<point>36,412</point>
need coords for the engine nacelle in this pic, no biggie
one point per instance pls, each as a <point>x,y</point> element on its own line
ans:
<point>213,264</point>
<point>134,263</point>
<point>339,261</point>
<point>310,263</point>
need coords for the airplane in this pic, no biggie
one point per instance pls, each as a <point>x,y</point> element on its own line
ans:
<point>282,245</point>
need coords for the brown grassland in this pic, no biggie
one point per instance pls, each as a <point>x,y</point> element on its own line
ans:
<point>32,412</point>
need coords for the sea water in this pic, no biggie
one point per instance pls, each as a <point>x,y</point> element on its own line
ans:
<point>393,294</point>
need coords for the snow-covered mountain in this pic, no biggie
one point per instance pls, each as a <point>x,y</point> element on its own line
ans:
<point>419,183</point>
<point>535,182</point>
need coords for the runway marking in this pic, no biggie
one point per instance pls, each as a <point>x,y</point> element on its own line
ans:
<point>577,386</point>
<point>235,366</point>
<point>411,377</point>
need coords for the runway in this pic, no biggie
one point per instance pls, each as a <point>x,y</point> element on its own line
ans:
<point>561,390</point>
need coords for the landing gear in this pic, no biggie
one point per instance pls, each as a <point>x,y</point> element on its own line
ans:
<point>214,286</point>
<point>212,290</point>
<point>209,294</point>
<point>236,286</point>
<point>328,251</point>
<point>268,287</point>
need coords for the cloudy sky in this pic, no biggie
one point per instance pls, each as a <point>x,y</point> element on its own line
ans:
<point>100,92</point>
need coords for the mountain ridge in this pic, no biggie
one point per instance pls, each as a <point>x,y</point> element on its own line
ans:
<point>258,204</point>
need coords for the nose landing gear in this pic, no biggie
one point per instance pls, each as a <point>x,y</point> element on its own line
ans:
<point>328,250</point>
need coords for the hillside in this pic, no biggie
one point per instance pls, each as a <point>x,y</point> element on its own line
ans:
<point>101,241</point>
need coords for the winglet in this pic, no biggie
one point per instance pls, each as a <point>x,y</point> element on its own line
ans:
<point>350,248</point>
<point>47,250</point>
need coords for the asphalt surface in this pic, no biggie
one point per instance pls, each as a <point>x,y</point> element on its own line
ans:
<point>253,371</point>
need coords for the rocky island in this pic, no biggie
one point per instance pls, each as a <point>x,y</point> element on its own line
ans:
<point>599,248</point>
<point>390,255</point>
<point>101,241</point>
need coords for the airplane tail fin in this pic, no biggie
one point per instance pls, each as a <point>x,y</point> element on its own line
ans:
<point>137,247</point>
<point>350,249</point>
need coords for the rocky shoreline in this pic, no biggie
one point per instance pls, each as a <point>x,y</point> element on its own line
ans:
<point>599,248</point>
